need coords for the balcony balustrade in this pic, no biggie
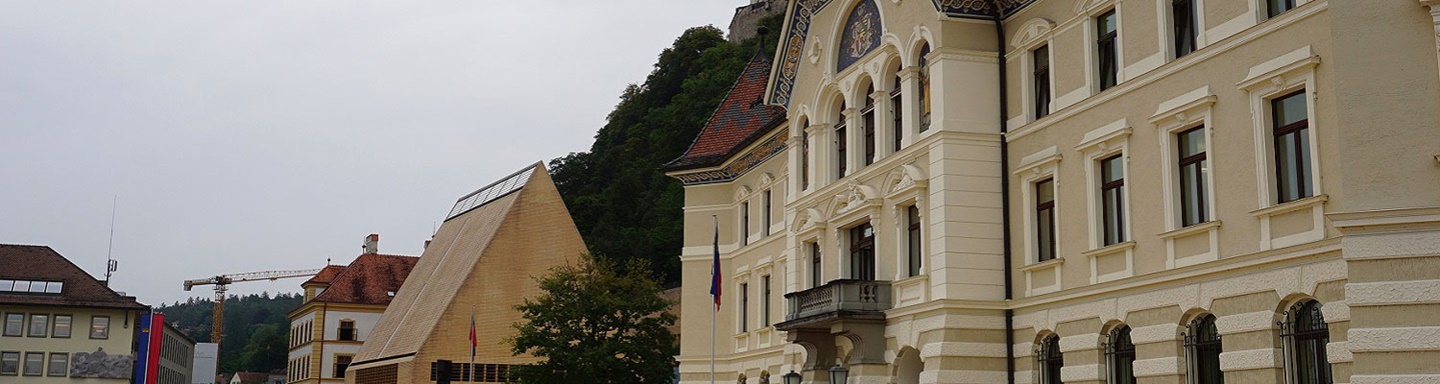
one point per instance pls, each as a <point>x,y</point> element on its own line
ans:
<point>836,301</point>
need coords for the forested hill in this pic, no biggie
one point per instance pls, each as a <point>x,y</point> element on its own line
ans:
<point>257,328</point>
<point>623,205</point>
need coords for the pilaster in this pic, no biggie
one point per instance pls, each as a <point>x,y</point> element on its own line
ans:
<point>1393,292</point>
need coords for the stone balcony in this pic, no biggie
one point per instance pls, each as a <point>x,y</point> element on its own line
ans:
<point>838,300</point>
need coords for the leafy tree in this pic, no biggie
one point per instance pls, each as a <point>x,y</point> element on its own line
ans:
<point>597,323</point>
<point>245,318</point>
<point>624,207</point>
<point>267,348</point>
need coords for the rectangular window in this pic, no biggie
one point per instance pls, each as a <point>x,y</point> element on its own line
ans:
<point>804,159</point>
<point>745,223</point>
<point>39,325</point>
<point>1183,14</point>
<point>840,141</point>
<point>1107,53</point>
<point>14,324</point>
<point>9,363</point>
<point>1112,199</point>
<point>34,363</point>
<point>62,326</point>
<point>1193,202</point>
<point>862,252</point>
<point>347,331</point>
<point>815,276</point>
<point>744,307</point>
<point>1040,80</point>
<point>765,301</point>
<point>100,327</point>
<point>1045,220</point>
<point>1276,7</point>
<point>1291,122</point>
<point>766,215</point>
<point>897,114</point>
<point>869,116</point>
<point>59,365</point>
<point>912,215</point>
<point>342,363</point>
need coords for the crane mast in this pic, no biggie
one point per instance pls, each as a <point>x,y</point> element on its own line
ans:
<point>222,284</point>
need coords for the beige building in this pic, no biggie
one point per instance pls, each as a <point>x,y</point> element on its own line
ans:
<point>342,305</point>
<point>1078,192</point>
<point>482,262</point>
<point>61,325</point>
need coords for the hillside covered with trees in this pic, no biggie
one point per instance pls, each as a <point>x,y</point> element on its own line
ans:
<point>624,206</point>
<point>257,328</point>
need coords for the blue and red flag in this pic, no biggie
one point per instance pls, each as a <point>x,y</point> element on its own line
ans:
<point>715,270</point>
<point>474,339</point>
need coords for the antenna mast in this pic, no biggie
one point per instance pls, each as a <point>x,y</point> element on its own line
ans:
<point>110,263</point>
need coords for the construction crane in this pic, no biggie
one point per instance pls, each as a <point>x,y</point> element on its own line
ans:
<point>222,282</point>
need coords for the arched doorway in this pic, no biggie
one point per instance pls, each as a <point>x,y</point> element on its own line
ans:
<point>908,366</point>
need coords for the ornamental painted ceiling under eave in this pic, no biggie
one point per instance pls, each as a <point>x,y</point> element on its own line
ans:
<point>792,46</point>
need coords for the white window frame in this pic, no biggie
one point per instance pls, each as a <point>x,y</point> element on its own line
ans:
<point>1165,13</point>
<point>1038,166</point>
<point>1264,82</point>
<point>1182,113</point>
<point>1090,10</point>
<point>1033,34</point>
<point>1097,145</point>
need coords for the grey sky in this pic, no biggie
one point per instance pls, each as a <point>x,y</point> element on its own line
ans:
<point>256,135</point>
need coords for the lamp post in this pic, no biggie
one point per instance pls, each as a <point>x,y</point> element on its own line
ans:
<point>791,378</point>
<point>838,374</point>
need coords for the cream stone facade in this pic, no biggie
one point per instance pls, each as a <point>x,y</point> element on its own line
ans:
<point>1255,198</point>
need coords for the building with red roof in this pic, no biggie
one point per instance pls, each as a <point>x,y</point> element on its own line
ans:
<point>342,305</point>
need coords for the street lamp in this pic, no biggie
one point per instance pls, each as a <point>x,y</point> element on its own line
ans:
<point>838,374</point>
<point>791,378</point>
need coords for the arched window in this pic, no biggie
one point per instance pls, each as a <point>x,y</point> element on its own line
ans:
<point>897,113</point>
<point>1305,335</point>
<point>1120,353</point>
<point>924,88</point>
<point>1050,360</point>
<point>868,117</point>
<point>1202,343</point>
<point>840,141</point>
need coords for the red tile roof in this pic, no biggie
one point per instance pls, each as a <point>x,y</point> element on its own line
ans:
<point>326,275</point>
<point>38,262</point>
<point>743,116</point>
<point>370,279</point>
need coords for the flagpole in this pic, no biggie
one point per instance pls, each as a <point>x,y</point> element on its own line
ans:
<point>474,339</point>
<point>715,219</point>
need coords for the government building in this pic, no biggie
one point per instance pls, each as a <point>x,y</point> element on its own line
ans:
<point>1072,192</point>
<point>342,304</point>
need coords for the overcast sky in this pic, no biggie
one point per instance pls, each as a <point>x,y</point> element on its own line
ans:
<point>259,135</point>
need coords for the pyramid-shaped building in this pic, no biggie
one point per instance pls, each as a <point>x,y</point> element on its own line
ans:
<point>483,261</point>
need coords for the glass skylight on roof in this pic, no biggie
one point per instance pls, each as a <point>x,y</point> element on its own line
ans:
<point>489,193</point>
<point>31,286</point>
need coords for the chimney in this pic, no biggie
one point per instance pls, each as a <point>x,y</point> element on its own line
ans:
<point>372,244</point>
<point>427,244</point>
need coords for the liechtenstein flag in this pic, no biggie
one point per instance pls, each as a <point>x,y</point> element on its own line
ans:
<point>715,270</point>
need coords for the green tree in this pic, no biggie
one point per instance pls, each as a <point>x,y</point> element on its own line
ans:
<point>596,323</point>
<point>624,207</point>
<point>266,350</point>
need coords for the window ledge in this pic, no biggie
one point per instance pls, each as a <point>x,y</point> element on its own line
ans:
<point>1109,249</point>
<point>1291,206</point>
<point>1043,265</point>
<point>1190,230</point>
